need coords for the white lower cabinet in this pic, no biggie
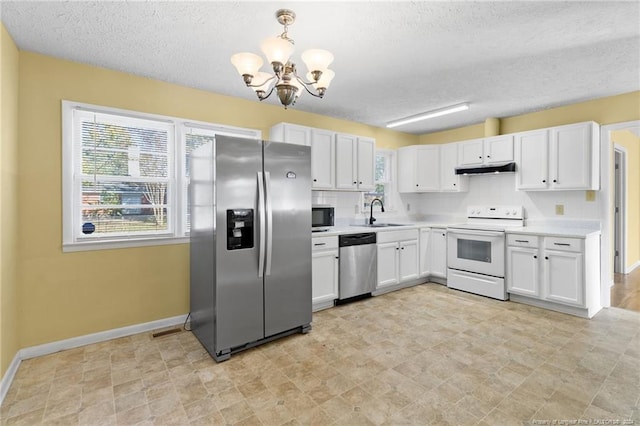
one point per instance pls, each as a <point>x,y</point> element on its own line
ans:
<point>558,273</point>
<point>424,263</point>
<point>324,265</point>
<point>438,253</point>
<point>397,257</point>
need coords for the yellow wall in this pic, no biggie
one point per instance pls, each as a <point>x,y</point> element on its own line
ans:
<point>9,64</point>
<point>632,145</point>
<point>612,109</point>
<point>71,294</point>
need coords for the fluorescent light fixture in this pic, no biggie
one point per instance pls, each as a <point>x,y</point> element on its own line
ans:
<point>429,114</point>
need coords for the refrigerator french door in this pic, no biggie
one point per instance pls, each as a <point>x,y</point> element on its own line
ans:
<point>250,250</point>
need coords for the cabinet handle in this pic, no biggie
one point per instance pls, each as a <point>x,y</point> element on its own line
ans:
<point>360,183</point>
<point>397,248</point>
<point>522,241</point>
<point>417,184</point>
<point>355,182</point>
<point>444,235</point>
<point>337,257</point>
<point>562,244</point>
<point>544,181</point>
<point>554,181</point>
<point>535,257</point>
<point>488,156</point>
<point>319,244</point>
<point>315,180</point>
<point>454,184</point>
<point>402,248</point>
<point>546,258</point>
<point>480,157</point>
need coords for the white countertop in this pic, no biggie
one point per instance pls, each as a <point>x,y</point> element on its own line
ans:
<point>554,231</point>
<point>356,229</point>
<point>548,230</point>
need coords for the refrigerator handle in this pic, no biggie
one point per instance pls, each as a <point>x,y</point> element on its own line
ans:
<point>262,224</point>
<point>267,179</point>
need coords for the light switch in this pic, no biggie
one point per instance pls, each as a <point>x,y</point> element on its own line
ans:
<point>559,209</point>
<point>591,195</point>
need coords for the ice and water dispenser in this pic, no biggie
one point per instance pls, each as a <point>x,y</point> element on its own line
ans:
<point>239,229</point>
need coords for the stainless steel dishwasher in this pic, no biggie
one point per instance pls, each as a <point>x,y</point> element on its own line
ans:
<point>358,266</point>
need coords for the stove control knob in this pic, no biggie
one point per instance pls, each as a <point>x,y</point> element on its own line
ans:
<point>508,213</point>
<point>515,212</point>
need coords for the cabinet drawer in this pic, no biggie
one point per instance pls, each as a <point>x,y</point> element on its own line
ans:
<point>324,243</point>
<point>564,244</point>
<point>520,240</point>
<point>391,236</point>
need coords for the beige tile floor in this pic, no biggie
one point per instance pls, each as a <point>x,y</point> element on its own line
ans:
<point>423,355</point>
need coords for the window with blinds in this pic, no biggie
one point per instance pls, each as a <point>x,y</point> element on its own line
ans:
<point>126,175</point>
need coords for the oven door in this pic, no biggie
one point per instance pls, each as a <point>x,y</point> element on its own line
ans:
<point>476,251</point>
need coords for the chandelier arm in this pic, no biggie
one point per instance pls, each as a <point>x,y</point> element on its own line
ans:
<point>265,82</point>
<point>268,94</point>
<point>305,85</point>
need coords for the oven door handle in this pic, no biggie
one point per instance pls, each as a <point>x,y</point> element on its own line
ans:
<point>475,232</point>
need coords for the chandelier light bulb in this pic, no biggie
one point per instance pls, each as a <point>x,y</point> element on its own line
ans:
<point>277,49</point>
<point>247,63</point>
<point>325,79</point>
<point>317,59</point>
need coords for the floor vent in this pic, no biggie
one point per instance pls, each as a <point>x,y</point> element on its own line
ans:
<point>165,332</point>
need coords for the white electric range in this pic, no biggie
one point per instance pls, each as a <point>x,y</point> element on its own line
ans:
<point>476,250</point>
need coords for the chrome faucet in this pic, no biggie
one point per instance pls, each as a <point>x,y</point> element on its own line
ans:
<point>371,218</point>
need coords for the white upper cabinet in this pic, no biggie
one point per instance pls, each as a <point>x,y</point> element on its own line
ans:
<point>366,159</point>
<point>338,161</point>
<point>449,181</point>
<point>498,149</point>
<point>322,159</point>
<point>532,159</point>
<point>291,133</point>
<point>429,168</point>
<point>354,162</point>
<point>492,150</point>
<point>559,158</point>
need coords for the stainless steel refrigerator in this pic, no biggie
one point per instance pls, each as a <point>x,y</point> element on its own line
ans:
<point>250,251</point>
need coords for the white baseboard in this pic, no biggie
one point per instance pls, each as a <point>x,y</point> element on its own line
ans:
<point>7,379</point>
<point>630,269</point>
<point>74,342</point>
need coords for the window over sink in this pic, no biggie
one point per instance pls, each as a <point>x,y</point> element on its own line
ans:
<point>384,182</point>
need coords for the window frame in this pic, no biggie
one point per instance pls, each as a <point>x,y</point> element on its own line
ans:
<point>390,185</point>
<point>177,180</point>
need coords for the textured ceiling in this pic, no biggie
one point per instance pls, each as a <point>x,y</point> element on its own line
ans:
<point>392,59</point>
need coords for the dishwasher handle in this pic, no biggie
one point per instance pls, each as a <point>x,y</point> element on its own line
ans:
<point>357,239</point>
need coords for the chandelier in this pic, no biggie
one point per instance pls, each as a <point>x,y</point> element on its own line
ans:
<point>284,80</point>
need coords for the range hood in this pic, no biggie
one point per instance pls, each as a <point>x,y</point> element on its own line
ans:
<point>483,170</point>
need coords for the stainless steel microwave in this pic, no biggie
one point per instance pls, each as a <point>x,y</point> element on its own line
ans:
<point>322,216</point>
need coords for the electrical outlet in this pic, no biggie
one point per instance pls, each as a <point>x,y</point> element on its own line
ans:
<point>559,209</point>
<point>590,195</point>
<point>408,207</point>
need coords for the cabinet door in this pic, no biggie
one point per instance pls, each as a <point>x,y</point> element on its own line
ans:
<point>366,160</point>
<point>571,157</point>
<point>471,153</point>
<point>425,237</point>
<point>563,277</point>
<point>346,162</point>
<point>324,280</point>
<point>449,181</point>
<point>498,149</point>
<point>406,171</point>
<point>322,159</point>
<point>438,253</point>
<point>408,260</point>
<point>387,264</point>
<point>532,160</point>
<point>297,135</point>
<point>428,168</point>
<point>523,271</point>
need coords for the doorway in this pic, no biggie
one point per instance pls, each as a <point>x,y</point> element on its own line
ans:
<point>619,210</point>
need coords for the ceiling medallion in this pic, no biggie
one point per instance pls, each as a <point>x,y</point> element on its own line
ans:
<point>284,80</point>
